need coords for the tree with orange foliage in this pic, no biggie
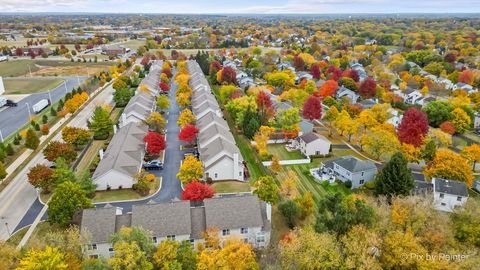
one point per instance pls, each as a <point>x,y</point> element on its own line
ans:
<point>466,76</point>
<point>449,165</point>
<point>329,88</point>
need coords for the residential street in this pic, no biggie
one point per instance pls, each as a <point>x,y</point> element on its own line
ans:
<point>170,189</point>
<point>18,201</point>
<point>13,118</point>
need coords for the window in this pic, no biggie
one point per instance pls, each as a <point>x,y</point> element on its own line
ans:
<point>94,256</point>
<point>216,175</point>
<point>459,198</point>
<point>110,249</point>
<point>170,237</point>
<point>155,239</point>
<point>443,204</point>
<point>261,239</point>
<point>240,174</point>
<point>362,181</point>
<point>442,195</point>
<point>192,241</point>
<point>363,173</point>
<point>94,246</point>
<point>226,232</point>
<point>244,230</point>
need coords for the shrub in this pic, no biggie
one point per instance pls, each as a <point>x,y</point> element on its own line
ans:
<point>370,185</point>
<point>348,184</point>
<point>45,129</point>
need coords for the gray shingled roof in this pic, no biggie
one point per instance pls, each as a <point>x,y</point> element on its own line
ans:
<point>208,118</point>
<point>125,151</point>
<point>233,212</point>
<point>163,219</point>
<point>206,107</point>
<point>98,223</point>
<point>353,164</point>
<point>211,150</point>
<point>450,187</point>
<point>215,131</point>
<point>312,136</point>
<point>198,222</point>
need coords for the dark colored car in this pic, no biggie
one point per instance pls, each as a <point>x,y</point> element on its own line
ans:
<point>153,165</point>
<point>11,103</point>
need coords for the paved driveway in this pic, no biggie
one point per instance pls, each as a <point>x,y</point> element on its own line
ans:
<point>14,117</point>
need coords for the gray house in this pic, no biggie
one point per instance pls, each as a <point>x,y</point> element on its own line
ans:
<point>242,216</point>
<point>350,168</point>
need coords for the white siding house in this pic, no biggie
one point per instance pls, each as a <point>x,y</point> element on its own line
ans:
<point>312,144</point>
<point>349,168</point>
<point>449,194</point>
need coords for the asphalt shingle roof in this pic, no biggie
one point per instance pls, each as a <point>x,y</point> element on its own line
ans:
<point>450,187</point>
<point>353,164</point>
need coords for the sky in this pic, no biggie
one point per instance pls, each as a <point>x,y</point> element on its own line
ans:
<point>243,6</point>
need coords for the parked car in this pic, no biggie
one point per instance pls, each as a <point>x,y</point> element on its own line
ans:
<point>153,165</point>
<point>193,154</point>
<point>11,103</point>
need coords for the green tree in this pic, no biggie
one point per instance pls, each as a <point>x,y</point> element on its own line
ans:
<point>137,235</point>
<point>266,189</point>
<point>429,150</point>
<point>288,119</point>
<point>122,96</point>
<point>337,213</point>
<point>129,256</point>
<point>86,183</point>
<point>250,124</point>
<point>162,102</point>
<point>290,210</point>
<point>174,255</point>
<point>395,178</point>
<point>438,112</point>
<point>62,172</point>
<point>67,199</point>
<point>101,124</point>
<point>3,171</point>
<point>32,141</point>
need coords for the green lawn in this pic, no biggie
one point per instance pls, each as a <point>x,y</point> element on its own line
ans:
<point>30,86</point>
<point>89,157</point>
<point>116,195</point>
<point>41,229</point>
<point>282,153</point>
<point>230,187</point>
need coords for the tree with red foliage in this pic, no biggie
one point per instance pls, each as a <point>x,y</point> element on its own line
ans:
<point>466,76</point>
<point>77,47</point>
<point>89,46</point>
<point>145,60</point>
<point>167,72</point>
<point>450,57</point>
<point>155,142</point>
<point>215,66</point>
<point>352,73</point>
<point>334,73</point>
<point>19,52</point>
<point>329,88</point>
<point>413,128</point>
<point>298,63</point>
<point>312,108</point>
<point>196,191</point>
<point>368,88</point>
<point>188,133</point>
<point>31,53</point>
<point>315,71</point>
<point>265,107</point>
<point>164,87</point>
<point>448,127</point>
<point>229,76</point>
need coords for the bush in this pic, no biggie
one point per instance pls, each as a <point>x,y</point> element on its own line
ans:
<point>10,150</point>
<point>348,184</point>
<point>45,129</point>
<point>44,119</point>
<point>370,185</point>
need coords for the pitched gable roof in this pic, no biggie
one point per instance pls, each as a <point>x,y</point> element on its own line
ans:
<point>233,212</point>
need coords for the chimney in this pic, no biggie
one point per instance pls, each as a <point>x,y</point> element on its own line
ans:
<point>235,166</point>
<point>119,211</point>
<point>268,210</point>
<point>100,152</point>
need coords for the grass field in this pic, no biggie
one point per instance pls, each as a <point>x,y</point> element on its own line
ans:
<point>18,68</point>
<point>30,86</point>
<point>124,194</point>
<point>282,153</point>
<point>230,187</point>
<point>41,229</point>
<point>89,156</point>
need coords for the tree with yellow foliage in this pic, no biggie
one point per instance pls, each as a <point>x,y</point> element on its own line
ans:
<point>380,143</point>
<point>183,99</point>
<point>235,254</point>
<point>461,120</point>
<point>441,138</point>
<point>449,165</point>
<point>261,140</point>
<point>289,185</point>
<point>472,154</point>
<point>366,119</point>
<point>156,122</point>
<point>190,170</point>
<point>330,117</point>
<point>345,125</point>
<point>411,153</point>
<point>275,167</point>
<point>186,117</point>
<point>50,258</point>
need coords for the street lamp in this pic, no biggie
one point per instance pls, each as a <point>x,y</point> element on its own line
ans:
<point>50,97</point>
<point>28,108</point>
<point>65,84</point>
<point>1,135</point>
<point>8,230</point>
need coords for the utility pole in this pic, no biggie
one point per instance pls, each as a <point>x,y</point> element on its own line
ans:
<point>28,108</point>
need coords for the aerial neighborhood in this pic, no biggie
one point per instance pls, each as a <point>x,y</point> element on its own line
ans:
<point>162,141</point>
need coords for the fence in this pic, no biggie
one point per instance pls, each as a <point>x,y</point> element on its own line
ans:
<point>288,162</point>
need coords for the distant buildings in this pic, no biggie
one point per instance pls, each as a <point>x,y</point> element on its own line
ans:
<point>243,216</point>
